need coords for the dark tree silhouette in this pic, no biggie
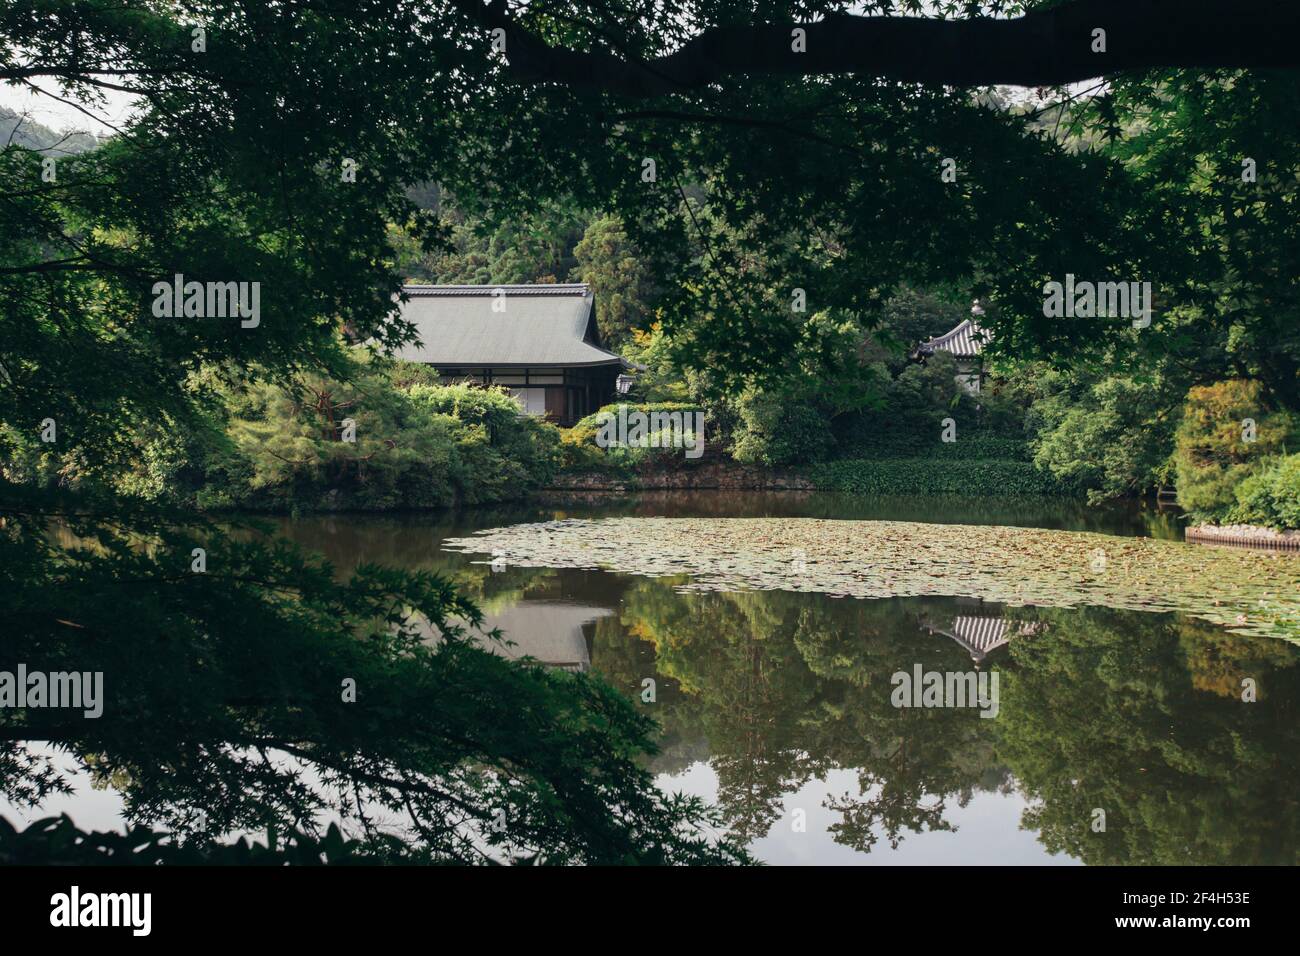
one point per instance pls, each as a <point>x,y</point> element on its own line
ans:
<point>1044,47</point>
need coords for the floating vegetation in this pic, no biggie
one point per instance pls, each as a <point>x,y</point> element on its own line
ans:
<point>1245,591</point>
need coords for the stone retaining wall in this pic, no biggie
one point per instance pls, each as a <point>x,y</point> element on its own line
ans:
<point>1244,535</point>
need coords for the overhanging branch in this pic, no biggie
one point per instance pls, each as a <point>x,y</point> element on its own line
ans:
<point>1042,48</point>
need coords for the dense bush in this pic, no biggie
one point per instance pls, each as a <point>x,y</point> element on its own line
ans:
<point>786,415</point>
<point>971,444</point>
<point>1270,498</point>
<point>907,422</point>
<point>581,450</point>
<point>925,476</point>
<point>773,431</point>
<point>1212,455</point>
<point>414,444</point>
<point>659,377</point>
<point>1111,435</point>
<point>500,454</point>
<point>26,460</point>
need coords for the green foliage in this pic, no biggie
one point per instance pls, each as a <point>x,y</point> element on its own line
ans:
<point>57,841</point>
<point>292,449</point>
<point>229,170</point>
<point>788,419</point>
<point>928,476</point>
<point>909,317</point>
<point>906,417</point>
<point>417,445</point>
<point>26,460</point>
<point>1212,454</point>
<point>1271,497</point>
<point>593,421</point>
<point>969,445</point>
<point>660,379</point>
<point>579,451</point>
<point>1111,435</point>
<point>582,451</point>
<point>1228,266</point>
<point>773,431</point>
<point>619,279</point>
<point>225,707</point>
<point>535,245</point>
<point>500,454</point>
<point>222,688</point>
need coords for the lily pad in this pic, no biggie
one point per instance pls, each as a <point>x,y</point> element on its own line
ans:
<point>1242,590</point>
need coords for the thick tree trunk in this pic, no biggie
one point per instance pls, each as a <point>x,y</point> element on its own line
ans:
<point>1042,48</point>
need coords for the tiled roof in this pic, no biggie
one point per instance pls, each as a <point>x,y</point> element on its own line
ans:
<point>965,341</point>
<point>981,635</point>
<point>540,325</point>
<point>561,289</point>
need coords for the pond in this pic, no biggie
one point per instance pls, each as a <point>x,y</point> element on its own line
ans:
<point>1120,735</point>
<point>895,681</point>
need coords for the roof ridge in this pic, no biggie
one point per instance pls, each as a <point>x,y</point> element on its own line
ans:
<point>955,330</point>
<point>533,288</point>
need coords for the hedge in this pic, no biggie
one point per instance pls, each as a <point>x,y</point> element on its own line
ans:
<point>928,445</point>
<point>926,476</point>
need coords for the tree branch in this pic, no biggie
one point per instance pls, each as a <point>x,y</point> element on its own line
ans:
<point>1049,47</point>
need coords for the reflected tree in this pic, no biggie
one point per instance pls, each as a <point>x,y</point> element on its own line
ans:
<point>1138,714</point>
<point>1116,714</point>
<point>265,694</point>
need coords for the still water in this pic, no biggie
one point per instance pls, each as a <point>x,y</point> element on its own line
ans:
<point>1120,736</point>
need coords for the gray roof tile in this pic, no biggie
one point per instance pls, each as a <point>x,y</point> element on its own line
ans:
<point>541,325</point>
<point>965,341</point>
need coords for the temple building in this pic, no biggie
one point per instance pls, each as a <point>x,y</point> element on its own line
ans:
<point>540,342</point>
<point>965,343</point>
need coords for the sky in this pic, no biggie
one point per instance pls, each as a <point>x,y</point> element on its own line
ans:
<point>65,116</point>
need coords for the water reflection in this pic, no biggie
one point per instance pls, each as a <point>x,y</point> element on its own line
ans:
<point>772,702</point>
<point>978,631</point>
<point>1136,714</point>
<point>550,633</point>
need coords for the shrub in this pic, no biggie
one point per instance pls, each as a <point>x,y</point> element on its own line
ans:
<point>1112,436</point>
<point>592,422</point>
<point>417,445</point>
<point>289,450</point>
<point>1211,454</point>
<point>971,444</point>
<point>581,451</point>
<point>500,453</point>
<point>775,431</point>
<point>26,460</point>
<point>1272,497</point>
<point>907,421</point>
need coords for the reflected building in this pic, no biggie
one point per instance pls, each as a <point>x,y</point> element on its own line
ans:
<point>549,631</point>
<point>980,633</point>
